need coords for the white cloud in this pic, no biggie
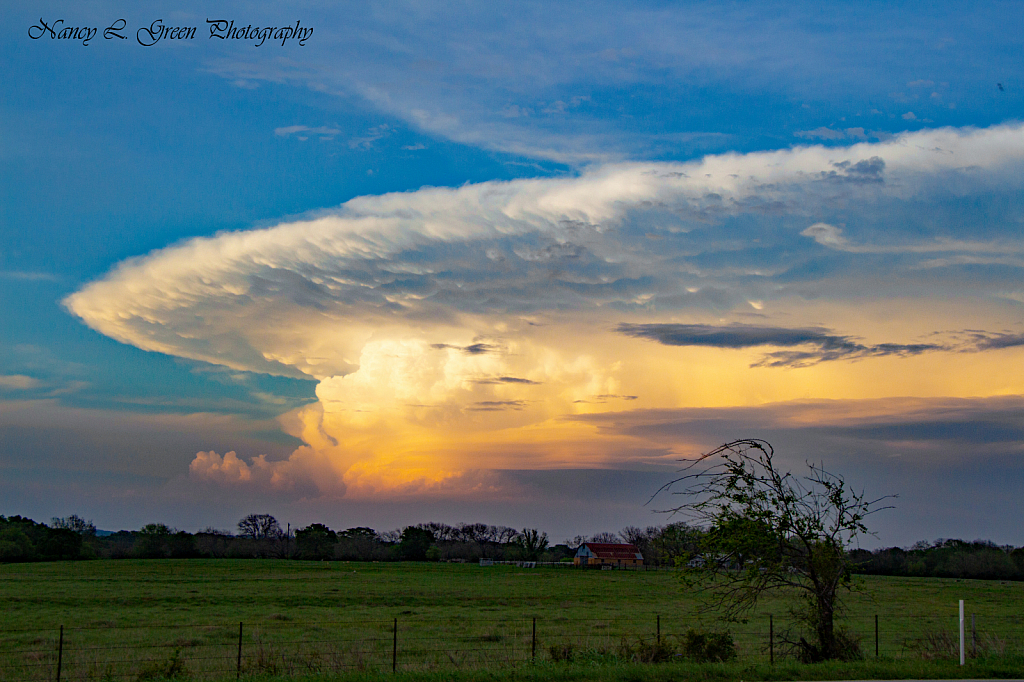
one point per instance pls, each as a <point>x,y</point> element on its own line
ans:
<point>18,381</point>
<point>303,298</point>
<point>380,298</point>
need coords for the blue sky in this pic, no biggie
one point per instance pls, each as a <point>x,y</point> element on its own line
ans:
<point>655,228</point>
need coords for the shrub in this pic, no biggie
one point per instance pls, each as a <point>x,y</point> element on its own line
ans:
<point>708,647</point>
<point>646,651</point>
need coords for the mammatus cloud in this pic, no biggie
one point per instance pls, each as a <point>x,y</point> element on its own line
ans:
<point>825,345</point>
<point>452,330</point>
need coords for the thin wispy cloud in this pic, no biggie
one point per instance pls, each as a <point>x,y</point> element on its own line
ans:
<point>28,276</point>
<point>304,132</point>
<point>825,345</point>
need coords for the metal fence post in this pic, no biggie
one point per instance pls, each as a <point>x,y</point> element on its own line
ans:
<point>533,640</point>
<point>60,652</point>
<point>394,648</point>
<point>771,639</point>
<point>876,635</point>
<point>659,629</point>
<point>974,638</point>
<point>238,663</point>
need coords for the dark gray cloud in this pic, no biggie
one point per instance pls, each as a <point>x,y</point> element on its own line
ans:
<point>997,340</point>
<point>866,171</point>
<point>472,349</point>
<point>497,405</point>
<point>605,397</point>
<point>957,464</point>
<point>825,345</point>
<point>508,380</point>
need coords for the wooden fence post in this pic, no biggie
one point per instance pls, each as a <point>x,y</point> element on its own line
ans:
<point>533,640</point>
<point>60,652</point>
<point>238,663</point>
<point>394,649</point>
<point>771,639</point>
<point>876,635</point>
<point>659,629</point>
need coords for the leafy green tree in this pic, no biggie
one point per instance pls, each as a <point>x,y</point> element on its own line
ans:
<point>182,545</point>
<point>15,545</point>
<point>151,541</point>
<point>316,541</point>
<point>767,530</point>
<point>414,543</point>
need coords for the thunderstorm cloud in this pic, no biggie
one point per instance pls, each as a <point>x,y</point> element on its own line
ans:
<point>454,330</point>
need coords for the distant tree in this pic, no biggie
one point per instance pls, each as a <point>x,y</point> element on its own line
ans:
<point>361,532</point>
<point>414,543</point>
<point>504,535</point>
<point>471,532</point>
<point>391,537</point>
<point>531,543</point>
<point>606,538</point>
<point>768,530</point>
<point>676,541</point>
<point>74,523</point>
<point>152,541</point>
<point>210,530</point>
<point>642,539</point>
<point>260,527</point>
<point>60,544</point>
<point>316,541</point>
<point>442,532</point>
<point>360,544</point>
<point>15,545</point>
<point>182,545</point>
<point>576,542</point>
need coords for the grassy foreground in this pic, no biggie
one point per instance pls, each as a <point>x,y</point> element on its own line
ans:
<point>707,672</point>
<point>144,620</point>
<point>190,591</point>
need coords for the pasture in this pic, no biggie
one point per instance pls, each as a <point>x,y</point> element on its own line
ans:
<point>168,618</point>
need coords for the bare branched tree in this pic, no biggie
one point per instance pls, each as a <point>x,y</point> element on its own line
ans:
<point>531,543</point>
<point>75,523</point>
<point>259,527</point>
<point>767,530</point>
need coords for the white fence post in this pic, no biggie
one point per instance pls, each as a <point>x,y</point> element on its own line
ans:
<point>961,632</point>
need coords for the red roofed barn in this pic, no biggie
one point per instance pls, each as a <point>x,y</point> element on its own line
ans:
<point>608,554</point>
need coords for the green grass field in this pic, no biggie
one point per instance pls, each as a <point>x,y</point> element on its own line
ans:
<point>151,619</point>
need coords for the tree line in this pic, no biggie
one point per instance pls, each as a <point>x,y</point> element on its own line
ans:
<point>262,536</point>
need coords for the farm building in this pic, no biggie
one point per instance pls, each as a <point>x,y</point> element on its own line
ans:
<point>607,554</point>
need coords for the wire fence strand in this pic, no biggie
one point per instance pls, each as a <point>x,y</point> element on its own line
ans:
<point>293,648</point>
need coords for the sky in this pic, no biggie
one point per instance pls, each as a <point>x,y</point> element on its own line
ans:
<point>381,264</point>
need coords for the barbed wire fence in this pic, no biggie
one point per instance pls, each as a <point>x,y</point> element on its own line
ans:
<point>281,646</point>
